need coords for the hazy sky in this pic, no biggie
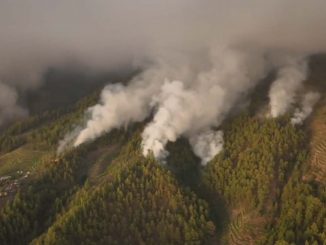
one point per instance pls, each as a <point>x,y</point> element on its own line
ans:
<point>104,34</point>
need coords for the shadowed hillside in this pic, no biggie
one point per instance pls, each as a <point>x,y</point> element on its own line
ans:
<point>265,187</point>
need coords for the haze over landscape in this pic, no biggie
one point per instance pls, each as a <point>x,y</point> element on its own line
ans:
<point>203,120</point>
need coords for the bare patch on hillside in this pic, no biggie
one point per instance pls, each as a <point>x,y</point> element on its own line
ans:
<point>318,144</point>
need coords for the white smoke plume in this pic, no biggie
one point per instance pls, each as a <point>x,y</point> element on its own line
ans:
<point>172,99</point>
<point>8,104</point>
<point>69,139</point>
<point>118,107</point>
<point>122,104</point>
<point>189,107</point>
<point>207,145</point>
<point>307,105</point>
<point>102,35</point>
<point>205,94</point>
<point>283,92</point>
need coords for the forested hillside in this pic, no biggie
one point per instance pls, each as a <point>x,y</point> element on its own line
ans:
<point>179,122</point>
<point>260,176</point>
<point>267,186</point>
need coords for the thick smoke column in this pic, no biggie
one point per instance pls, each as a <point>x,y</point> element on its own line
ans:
<point>103,35</point>
<point>188,99</point>
<point>186,108</point>
<point>307,105</point>
<point>117,107</point>
<point>283,92</point>
<point>172,99</point>
<point>201,99</point>
<point>207,145</point>
<point>120,104</point>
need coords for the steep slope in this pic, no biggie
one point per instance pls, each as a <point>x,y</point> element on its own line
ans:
<point>266,187</point>
<point>318,144</point>
<point>115,179</point>
<point>140,203</point>
<point>258,156</point>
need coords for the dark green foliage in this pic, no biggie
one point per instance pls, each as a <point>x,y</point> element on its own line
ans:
<point>302,217</point>
<point>262,169</point>
<point>136,202</point>
<point>183,162</point>
<point>51,126</point>
<point>49,135</point>
<point>256,188</point>
<point>257,158</point>
<point>34,208</point>
<point>9,143</point>
<point>141,204</point>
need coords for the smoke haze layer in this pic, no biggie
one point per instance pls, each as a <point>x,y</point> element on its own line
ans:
<point>36,34</point>
<point>199,58</point>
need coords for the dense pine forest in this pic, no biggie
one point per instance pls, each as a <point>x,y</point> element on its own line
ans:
<point>154,122</point>
<point>265,187</point>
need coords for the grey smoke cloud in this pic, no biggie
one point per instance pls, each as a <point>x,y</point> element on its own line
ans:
<point>173,39</point>
<point>191,107</point>
<point>40,33</point>
<point>308,102</point>
<point>292,72</point>
<point>8,104</point>
<point>207,145</point>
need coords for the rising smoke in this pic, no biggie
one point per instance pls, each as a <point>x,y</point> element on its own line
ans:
<point>207,145</point>
<point>199,59</point>
<point>307,105</point>
<point>190,107</point>
<point>290,78</point>
<point>8,104</point>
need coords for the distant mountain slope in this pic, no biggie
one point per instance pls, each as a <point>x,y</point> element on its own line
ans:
<point>62,87</point>
<point>266,187</point>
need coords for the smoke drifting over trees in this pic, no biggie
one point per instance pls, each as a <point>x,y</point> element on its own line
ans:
<point>199,58</point>
<point>307,105</point>
<point>289,80</point>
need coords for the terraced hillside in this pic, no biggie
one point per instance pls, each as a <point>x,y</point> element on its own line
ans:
<point>318,144</point>
<point>245,228</point>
